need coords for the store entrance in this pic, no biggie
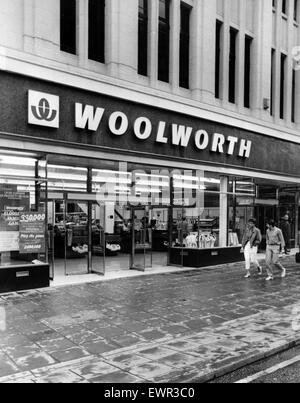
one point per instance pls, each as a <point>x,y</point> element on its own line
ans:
<point>150,237</point>
<point>68,237</point>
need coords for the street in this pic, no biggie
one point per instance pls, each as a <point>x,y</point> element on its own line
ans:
<point>188,326</point>
<point>281,368</point>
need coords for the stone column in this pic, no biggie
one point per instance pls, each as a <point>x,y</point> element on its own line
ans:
<point>29,24</point>
<point>175,44</point>
<point>153,41</point>
<point>240,56</point>
<point>224,70</point>
<point>82,32</point>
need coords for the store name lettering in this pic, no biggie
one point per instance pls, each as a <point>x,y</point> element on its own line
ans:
<point>89,117</point>
<point>43,110</point>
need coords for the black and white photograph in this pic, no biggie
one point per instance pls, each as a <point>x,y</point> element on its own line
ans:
<point>149,194</point>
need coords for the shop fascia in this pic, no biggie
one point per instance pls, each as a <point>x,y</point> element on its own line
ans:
<point>44,110</point>
<point>89,117</point>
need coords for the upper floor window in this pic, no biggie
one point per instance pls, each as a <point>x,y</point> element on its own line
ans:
<point>247,72</point>
<point>218,58</point>
<point>68,26</point>
<point>296,10</point>
<point>97,30</point>
<point>232,65</point>
<point>184,68</point>
<point>143,38</point>
<point>284,7</point>
<point>164,41</point>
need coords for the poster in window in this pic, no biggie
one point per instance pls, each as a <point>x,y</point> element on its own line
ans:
<point>32,233</point>
<point>12,204</point>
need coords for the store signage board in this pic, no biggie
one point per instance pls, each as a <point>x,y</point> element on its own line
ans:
<point>44,110</point>
<point>92,121</point>
<point>32,233</point>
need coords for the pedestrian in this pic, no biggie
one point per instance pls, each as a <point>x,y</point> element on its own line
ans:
<point>251,240</point>
<point>286,231</point>
<point>275,240</point>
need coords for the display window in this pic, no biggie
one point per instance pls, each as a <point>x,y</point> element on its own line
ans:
<point>94,216</point>
<point>23,236</point>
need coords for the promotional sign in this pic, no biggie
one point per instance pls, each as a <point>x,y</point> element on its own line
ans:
<point>32,233</point>
<point>12,204</point>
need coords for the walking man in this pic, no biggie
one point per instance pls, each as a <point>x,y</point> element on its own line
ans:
<point>286,232</point>
<point>274,241</point>
<point>251,241</point>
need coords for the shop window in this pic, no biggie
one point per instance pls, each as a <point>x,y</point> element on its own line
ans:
<point>68,26</point>
<point>22,212</point>
<point>232,65</point>
<point>97,30</point>
<point>247,71</point>
<point>143,38</point>
<point>184,64</point>
<point>218,58</point>
<point>164,41</point>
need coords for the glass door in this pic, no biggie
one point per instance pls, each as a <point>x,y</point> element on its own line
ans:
<point>142,238</point>
<point>98,239</point>
<point>178,232</point>
<point>76,242</point>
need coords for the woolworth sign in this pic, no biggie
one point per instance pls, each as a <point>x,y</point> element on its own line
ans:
<point>43,110</point>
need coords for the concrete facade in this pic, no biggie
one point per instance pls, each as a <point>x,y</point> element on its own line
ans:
<point>30,45</point>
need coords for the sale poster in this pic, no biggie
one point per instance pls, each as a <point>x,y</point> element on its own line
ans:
<point>12,204</point>
<point>32,233</point>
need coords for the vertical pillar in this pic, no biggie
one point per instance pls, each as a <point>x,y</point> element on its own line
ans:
<point>128,39</point>
<point>112,19</point>
<point>261,57</point>
<point>297,203</point>
<point>224,70</point>
<point>240,59</point>
<point>153,41</point>
<point>277,72</point>
<point>29,26</point>
<point>196,53</point>
<point>82,31</point>
<point>175,44</point>
<point>223,211</point>
<point>207,39</point>
<point>90,207</point>
<point>289,64</point>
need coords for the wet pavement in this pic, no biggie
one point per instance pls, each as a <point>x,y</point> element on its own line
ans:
<point>175,327</point>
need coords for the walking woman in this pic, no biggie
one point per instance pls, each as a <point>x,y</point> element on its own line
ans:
<point>251,241</point>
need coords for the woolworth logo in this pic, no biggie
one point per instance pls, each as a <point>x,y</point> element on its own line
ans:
<point>43,109</point>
